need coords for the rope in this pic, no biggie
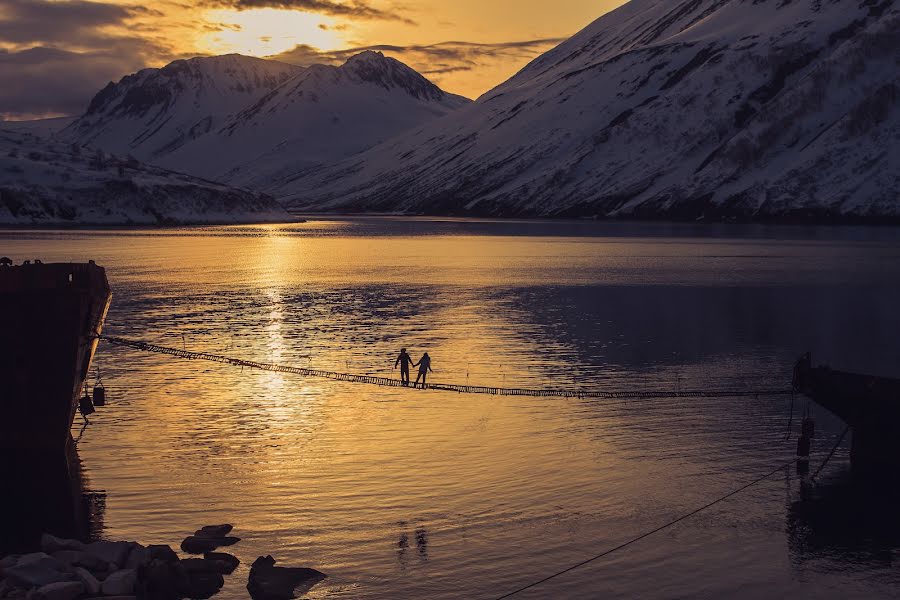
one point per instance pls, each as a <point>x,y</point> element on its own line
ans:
<point>830,454</point>
<point>496,391</point>
<point>449,387</point>
<point>647,534</point>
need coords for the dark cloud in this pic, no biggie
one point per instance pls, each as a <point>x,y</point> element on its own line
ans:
<point>54,56</point>
<point>48,82</point>
<point>442,57</point>
<point>435,60</point>
<point>76,22</point>
<point>355,9</point>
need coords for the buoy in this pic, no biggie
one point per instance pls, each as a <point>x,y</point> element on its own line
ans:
<point>85,406</point>
<point>99,395</point>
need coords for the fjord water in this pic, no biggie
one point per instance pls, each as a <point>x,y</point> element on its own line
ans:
<point>408,494</point>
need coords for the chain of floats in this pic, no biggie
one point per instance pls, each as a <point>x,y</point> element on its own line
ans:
<point>449,387</point>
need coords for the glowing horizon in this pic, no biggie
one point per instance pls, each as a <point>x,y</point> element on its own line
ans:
<point>55,54</point>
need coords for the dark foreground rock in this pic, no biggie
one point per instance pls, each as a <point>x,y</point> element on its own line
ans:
<point>268,582</point>
<point>200,545</point>
<point>227,562</point>
<point>214,531</point>
<point>209,538</point>
<point>115,570</point>
<point>162,552</point>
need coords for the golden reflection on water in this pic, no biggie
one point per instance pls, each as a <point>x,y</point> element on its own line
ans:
<point>403,494</point>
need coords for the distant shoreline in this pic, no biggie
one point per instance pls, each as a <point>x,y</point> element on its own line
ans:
<point>873,223</point>
<point>823,219</point>
<point>137,226</point>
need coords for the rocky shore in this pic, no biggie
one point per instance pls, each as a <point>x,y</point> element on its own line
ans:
<point>68,569</point>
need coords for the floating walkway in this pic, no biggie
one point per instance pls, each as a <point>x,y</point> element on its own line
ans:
<point>446,387</point>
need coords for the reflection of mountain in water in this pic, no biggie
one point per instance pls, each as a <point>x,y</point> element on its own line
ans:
<point>47,494</point>
<point>848,521</point>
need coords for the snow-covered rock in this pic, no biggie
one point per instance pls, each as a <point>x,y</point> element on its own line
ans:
<point>717,109</point>
<point>50,182</point>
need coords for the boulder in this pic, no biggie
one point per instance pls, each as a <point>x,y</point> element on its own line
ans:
<point>214,530</point>
<point>51,544</point>
<point>110,552</point>
<point>203,584</point>
<point>162,580</point>
<point>120,583</point>
<point>199,565</point>
<point>79,558</point>
<point>268,582</point>
<point>64,590</point>
<point>17,592</point>
<point>87,579</point>
<point>195,544</point>
<point>9,561</point>
<point>162,552</point>
<point>36,574</point>
<point>228,562</point>
<point>138,557</point>
<point>35,558</point>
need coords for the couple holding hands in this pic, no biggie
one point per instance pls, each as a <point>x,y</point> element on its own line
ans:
<point>404,360</point>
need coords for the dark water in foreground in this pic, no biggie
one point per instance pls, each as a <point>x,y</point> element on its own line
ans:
<point>400,494</point>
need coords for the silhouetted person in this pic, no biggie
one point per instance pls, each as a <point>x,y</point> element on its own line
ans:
<point>404,361</point>
<point>424,365</point>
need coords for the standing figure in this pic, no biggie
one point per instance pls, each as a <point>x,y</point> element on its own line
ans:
<point>404,361</point>
<point>424,365</point>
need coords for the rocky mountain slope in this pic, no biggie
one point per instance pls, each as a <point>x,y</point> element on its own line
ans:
<point>153,112</point>
<point>45,182</point>
<point>690,109</point>
<point>252,122</point>
<point>321,116</point>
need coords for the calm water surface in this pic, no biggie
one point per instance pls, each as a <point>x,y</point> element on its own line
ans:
<point>404,494</point>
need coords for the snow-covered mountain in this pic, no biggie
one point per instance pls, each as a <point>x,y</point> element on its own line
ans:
<point>153,112</point>
<point>251,122</point>
<point>662,108</point>
<point>320,116</point>
<point>50,182</point>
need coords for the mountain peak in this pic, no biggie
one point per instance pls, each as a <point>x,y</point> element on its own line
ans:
<point>374,67</point>
<point>367,56</point>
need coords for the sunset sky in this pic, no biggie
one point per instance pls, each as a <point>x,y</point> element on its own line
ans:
<point>55,54</point>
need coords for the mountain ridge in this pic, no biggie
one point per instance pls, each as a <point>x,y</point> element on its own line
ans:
<point>148,113</point>
<point>245,121</point>
<point>626,119</point>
